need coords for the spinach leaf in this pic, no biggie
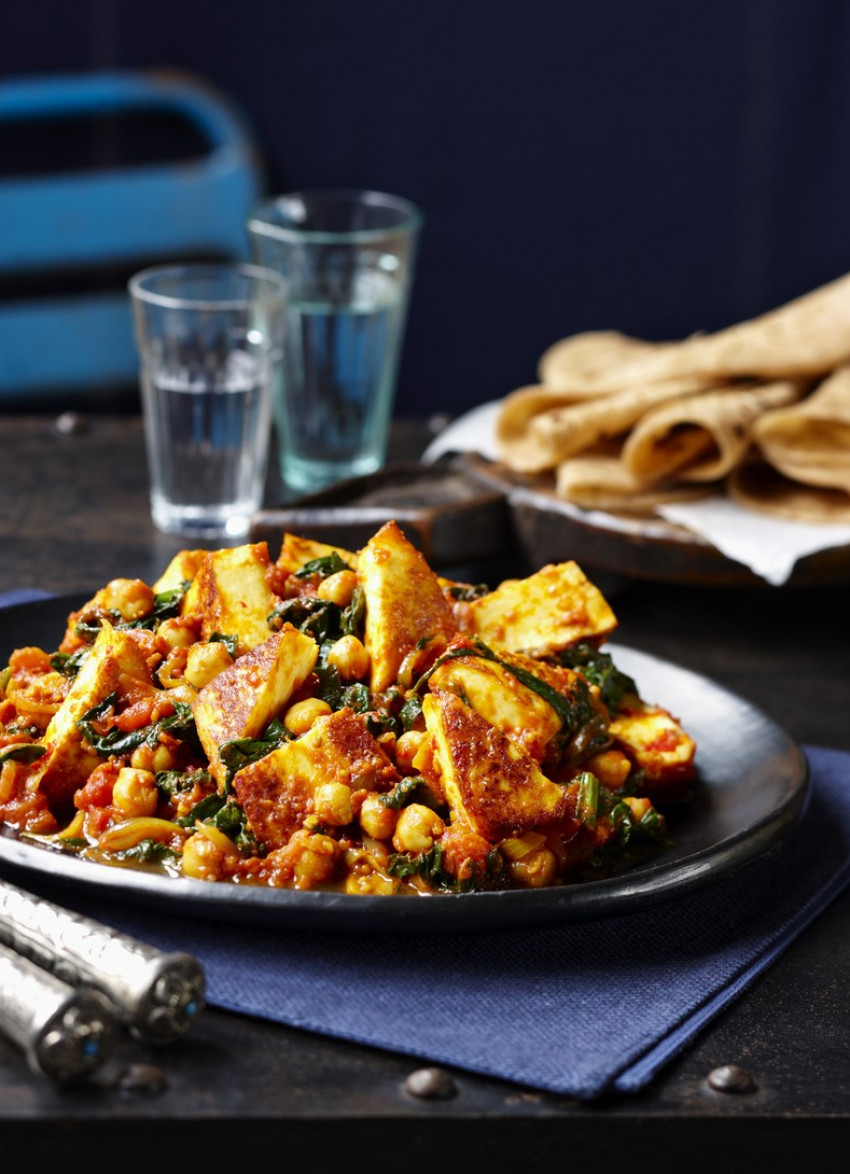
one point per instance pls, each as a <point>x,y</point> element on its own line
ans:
<point>650,828</point>
<point>315,617</point>
<point>410,712</point>
<point>174,782</point>
<point>87,628</point>
<point>353,618</point>
<point>412,789</point>
<point>115,741</point>
<point>205,808</point>
<point>356,697</point>
<point>466,592</point>
<point>69,663</point>
<point>428,865</point>
<point>231,643</point>
<point>21,752</point>
<point>599,668</point>
<point>241,752</point>
<point>148,851</point>
<point>224,813</point>
<point>329,564</point>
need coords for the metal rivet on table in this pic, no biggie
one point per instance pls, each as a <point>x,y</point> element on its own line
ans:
<point>142,1080</point>
<point>430,1084</point>
<point>71,423</point>
<point>731,1078</point>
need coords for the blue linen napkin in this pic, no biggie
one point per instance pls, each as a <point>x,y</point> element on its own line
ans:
<point>578,1009</point>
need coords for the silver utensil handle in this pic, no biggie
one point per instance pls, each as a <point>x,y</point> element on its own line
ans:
<point>64,1033</point>
<point>156,994</point>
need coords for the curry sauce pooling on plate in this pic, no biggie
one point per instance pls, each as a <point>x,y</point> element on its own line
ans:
<point>339,719</point>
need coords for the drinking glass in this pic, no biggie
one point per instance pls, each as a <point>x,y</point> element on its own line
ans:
<point>210,338</point>
<point>347,258</point>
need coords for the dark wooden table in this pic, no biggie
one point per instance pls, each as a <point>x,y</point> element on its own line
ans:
<point>73,513</point>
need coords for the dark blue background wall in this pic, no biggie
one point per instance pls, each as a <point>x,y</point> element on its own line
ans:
<point>659,167</point>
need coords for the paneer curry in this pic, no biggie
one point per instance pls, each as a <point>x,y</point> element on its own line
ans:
<point>339,719</point>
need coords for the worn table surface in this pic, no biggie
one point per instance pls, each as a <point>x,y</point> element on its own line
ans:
<point>73,513</point>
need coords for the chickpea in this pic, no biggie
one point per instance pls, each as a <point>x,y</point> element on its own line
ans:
<point>366,884</point>
<point>131,598</point>
<point>142,758</point>
<point>407,747</point>
<point>417,828</point>
<point>205,661</point>
<point>164,758</point>
<point>376,819</point>
<point>349,658</point>
<point>203,859</point>
<point>135,792</point>
<point>154,758</point>
<point>611,767</point>
<point>178,632</point>
<point>303,715</point>
<point>338,588</point>
<point>316,863</point>
<point>535,870</point>
<point>333,803</point>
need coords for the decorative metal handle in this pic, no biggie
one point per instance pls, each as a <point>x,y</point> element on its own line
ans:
<point>156,994</point>
<point>65,1033</point>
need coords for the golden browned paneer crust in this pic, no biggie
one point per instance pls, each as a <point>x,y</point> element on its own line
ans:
<point>276,792</point>
<point>117,659</point>
<point>496,694</point>
<point>406,610</point>
<point>489,781</point>
<point>231,594</point>
<point>243,698</point>
<point>543,614</point>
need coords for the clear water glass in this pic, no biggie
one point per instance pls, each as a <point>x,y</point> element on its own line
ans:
<point>210,342</point>
<point>347,259</point>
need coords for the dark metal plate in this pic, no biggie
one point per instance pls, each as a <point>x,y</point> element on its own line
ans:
<point>751,789</point>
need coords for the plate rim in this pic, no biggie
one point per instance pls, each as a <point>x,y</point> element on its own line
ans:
<point>648,883</point>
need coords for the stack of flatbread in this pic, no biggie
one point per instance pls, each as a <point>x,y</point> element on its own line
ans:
<point>760,410</point>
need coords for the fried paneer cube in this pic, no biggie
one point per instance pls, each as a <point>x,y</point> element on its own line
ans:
<point>296,551</point>
<point>653,739</point>
<point>495,693</point>
<point>231,595</point>
<point>490,782</point>
<point>277,793</point>
<point>116,663</point>
<point>182,569</point>
<point>406,610</point>
<point>544,613</point>
<point>242,699</point>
